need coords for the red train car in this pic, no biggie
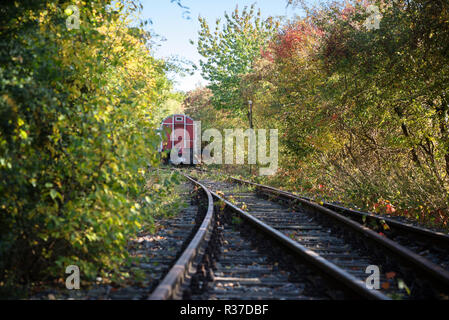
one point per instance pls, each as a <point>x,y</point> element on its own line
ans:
<point>178,133</point>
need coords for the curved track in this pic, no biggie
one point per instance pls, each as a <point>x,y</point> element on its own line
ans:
<point>169,288</point>
<point>325,254</point>
<point>406,274</point>
<point>265,278</point>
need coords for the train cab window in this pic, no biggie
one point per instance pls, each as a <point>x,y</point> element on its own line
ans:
<point>179,119</point>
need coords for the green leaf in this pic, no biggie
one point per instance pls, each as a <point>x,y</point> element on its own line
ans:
<point>54,194</point>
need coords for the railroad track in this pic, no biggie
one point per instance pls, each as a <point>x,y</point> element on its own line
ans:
<point>236,256</point>
<point>242,265</point>
<point>422,277</point>
<point>431,245</point>
<point>321,254</point>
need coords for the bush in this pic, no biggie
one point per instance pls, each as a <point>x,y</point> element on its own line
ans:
<point>76,135</point>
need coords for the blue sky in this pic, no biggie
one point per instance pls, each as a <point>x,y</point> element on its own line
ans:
<point>168,22</point>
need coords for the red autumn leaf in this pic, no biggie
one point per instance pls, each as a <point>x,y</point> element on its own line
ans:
<point>390,209</point>
<point>390,275</point>
<point>293,37</point>
<point>385,285</point>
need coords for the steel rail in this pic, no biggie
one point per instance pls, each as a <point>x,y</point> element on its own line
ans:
<point>407,227</point>
<point>436,272</point>
<point>347,280</point>
<point>176,275</point>
<point>435,236</point>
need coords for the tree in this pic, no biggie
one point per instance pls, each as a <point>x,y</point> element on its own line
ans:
<point>230,52</point>
<point>362,111</point>
<point>76,135</point>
